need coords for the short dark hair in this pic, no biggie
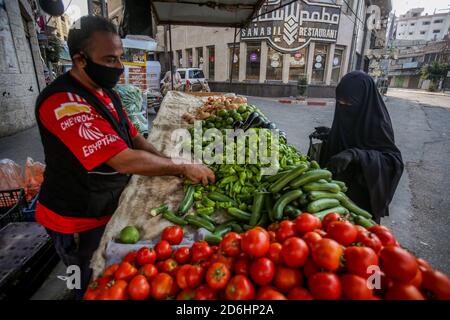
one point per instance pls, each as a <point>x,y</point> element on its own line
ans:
<point>83,29</point>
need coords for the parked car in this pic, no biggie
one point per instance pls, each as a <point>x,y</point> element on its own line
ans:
<point>195,77</point>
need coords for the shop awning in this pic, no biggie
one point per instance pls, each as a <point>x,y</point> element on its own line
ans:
<point>220,13</point>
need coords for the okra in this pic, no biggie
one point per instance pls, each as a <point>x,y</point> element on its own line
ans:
<point>310,176</point>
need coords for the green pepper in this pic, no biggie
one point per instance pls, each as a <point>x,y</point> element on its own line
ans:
<point>208,202</point>
<point>228,180</point>
<point>199,205</point>
<point>243,206</point>
<point>198,195</point>
<point>237,188</point>
<point>207,211</point>
<point>242,177</point>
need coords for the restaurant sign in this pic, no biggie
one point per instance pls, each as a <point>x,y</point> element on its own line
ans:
<point>293,26</point>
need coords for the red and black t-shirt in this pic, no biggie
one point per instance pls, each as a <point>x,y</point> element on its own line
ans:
<point>89,137</point>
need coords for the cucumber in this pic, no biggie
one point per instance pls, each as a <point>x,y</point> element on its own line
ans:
<point>161,209</point>
<point>216,196</point>
<point>340,210</point>
<point>206,217</point>
<point>366,223</point>
<point>291,211</point>
<point>263,221</point>
<point>316,195</point>
<point>310,176</point>
<point>322,204</point>
<point>237,228</point>
<point>201,223</point>
<point>278,185</point>
<point>351,206</point>
<point>314,165</point>
<point>277,176</point>
<point>239,214</point>
<point>222,231</point>
<point>285,199</point>
<point>341,184</point>
<point>187,201</point>
<point>316,186</point>
<point>170,216</point>
<point>258,203</point>
<point>213,239</point>
<point>268,201</point>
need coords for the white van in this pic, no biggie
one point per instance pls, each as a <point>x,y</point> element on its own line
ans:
<point>195,76</point>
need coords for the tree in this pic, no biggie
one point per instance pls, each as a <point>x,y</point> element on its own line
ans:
<point>435,72</point>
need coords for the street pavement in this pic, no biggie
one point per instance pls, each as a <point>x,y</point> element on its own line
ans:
<point>419,212</point>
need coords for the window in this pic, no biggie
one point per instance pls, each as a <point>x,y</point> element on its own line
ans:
<point>337,64</point>
<point>438,21</point>
<point>179,62</point>
<point>436,31</point>
<point>411,33</point>
<point>196,74</point>
<point>423,32</point>
<point>413,24</point>
<point>415,15</point>
<point>253,61</point>
<point>297,64</point>
<point>274,65</point>
<point>426,23</point>
<point>182,74</point>
<point>211,62</point>
<point>319,63</point>
<point>189,58</point>
<point>199,51</point>
<point>234,61</point>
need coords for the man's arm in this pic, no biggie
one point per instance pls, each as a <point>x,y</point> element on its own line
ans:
<point>141,162</point>
<point>140,143</point>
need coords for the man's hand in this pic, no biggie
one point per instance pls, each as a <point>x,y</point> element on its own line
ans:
<point>339,162</point>
<point>198,173</point>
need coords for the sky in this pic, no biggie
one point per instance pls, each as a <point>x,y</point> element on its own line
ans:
<point>79,7</point>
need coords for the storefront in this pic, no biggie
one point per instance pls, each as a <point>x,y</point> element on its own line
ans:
<point>309,40</point>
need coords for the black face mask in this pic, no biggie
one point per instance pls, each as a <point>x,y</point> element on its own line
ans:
<point>105,77</point>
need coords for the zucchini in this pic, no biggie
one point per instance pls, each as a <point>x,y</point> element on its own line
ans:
<point>322,204</point>
<point>278,185</point>
<point>316,186</point>
<point>187,201</point>
<point>281,203</point>
<point>239,214</point>
<point>200,222</point>
<point>170,216</point>
<point>258,204</point>
<point>310,176</point>
<point>340,210</point>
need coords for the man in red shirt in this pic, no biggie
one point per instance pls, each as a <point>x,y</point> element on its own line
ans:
<point>91,147</point>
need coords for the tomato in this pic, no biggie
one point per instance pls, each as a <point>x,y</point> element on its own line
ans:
<point>160,265</point>
<point>294,252</point>
<point>182,255</point>
<point>231,244</point>
<point>327,253</point>
<point>310,268</point>
<point>369,239</point>
<point>355,288</point>
<point>398,264</point>
<point>200,251</point>
<point>269,293</point>
<point>215,249</point>
<point>240,288</point>
<point>385,236</point>
<point>262,271</point>
<point>130,257</point>
<point>359,259</point>
<point>274,252</point>
<point>273,227</point>
<point>299,294</point>
<point>96,287</point>
<point>255,242</point>
<point>272,236</point>
<point>117,291</point>
<point>401,291</point>
<point>126,271</point>
<point>331,217</point>
<point>343,232</point>
<point>149,271</point>
<point>205,293</point>
<point>218,257</point>
<point>139,288</point>
<point>436,282</point>
<point>186,294</point>
<point>384,284</point>
<point>194,276</point>
<point>145,256</point>
<point>217,276</point>
<point>325,286</point>
<point>161,286</point>
<point>311,238</point>
<point>321,232</point>
<point>169,266</point>
<point>286,229</point>
<point>307,222</point>
<point>181,276</point>
<point>163,250</point>
<point>361,229</point>
<point>287,278</point>
<point>242,266</point>
<point>423,265</point>
<point>174,290</point>
<point>173,235</point>
<point>109,272</point>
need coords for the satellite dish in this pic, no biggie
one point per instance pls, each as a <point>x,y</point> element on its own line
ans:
<point>52,7</point>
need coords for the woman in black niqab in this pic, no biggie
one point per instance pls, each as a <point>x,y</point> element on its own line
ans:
<point>360,149</point>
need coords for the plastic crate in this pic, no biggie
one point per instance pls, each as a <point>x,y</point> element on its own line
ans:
<point>27,257</point>
<point>28,212</point>
<point>12,203</point>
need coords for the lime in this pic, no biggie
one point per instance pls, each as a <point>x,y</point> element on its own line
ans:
<point>210,125</point>
<point>237,117</point>
<point>129,235</point>
<point>242,109</point>
<point>230,120</point>
<point>222,113</point>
